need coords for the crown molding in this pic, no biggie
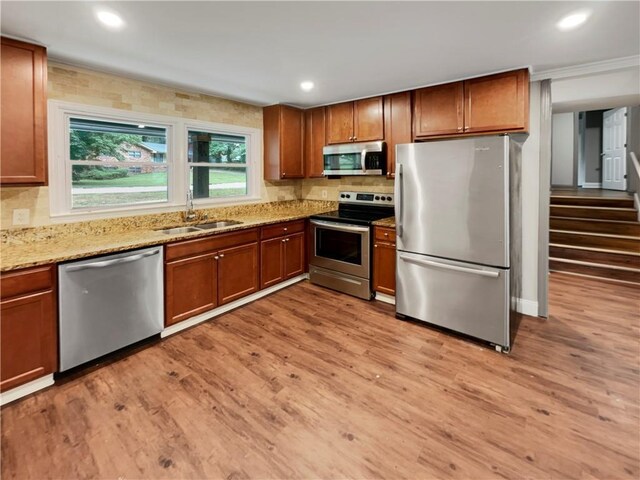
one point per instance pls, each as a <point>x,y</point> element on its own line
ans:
<point>587,68</point>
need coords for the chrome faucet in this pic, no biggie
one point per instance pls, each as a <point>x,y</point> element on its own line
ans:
<point>189,213</point>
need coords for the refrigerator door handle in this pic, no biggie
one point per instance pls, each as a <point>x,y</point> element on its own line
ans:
<point>399,202</point>
<point>445,266</point>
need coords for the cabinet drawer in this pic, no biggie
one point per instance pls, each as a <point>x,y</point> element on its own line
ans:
<point>281,229</point>
<point>208,244</point>
<point>26,281</point>
<point>385,234</point>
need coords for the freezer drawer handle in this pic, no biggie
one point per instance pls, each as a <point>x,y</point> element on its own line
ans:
<point>108,263</point>
<point>484,273</point>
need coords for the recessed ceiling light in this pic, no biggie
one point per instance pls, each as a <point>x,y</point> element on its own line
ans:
<point>573,20</point>
<point>110,19</point>
<point>307,86</point>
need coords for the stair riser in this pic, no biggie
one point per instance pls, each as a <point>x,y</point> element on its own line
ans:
<point>630,245</point>
<point>602,272</point>
<point>589,225</point>
<point>578,212</point>
<point>617,259</point>
<point>593,202</point>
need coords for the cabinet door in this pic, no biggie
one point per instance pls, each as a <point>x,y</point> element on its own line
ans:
<point>271,262</point>
<point>497,103</point>
<point>368,120</point>
<point>397,119</point>
<point>190,287</point>
<point>28,338</point>
<point>340,123</point>
<point>439,110</point>
<point>314,133</point>
<point>294,255</point>
<point>291,132</point>
<point>237,272</point>
<point>384,268</point>
<point>23,79</point>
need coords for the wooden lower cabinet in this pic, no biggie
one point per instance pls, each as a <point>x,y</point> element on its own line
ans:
<point>191,287</point>
<point>205,273</point>
<point>384,261</point>
<point>28,326</point>
<point>237,272</point>
<point>282,257</point>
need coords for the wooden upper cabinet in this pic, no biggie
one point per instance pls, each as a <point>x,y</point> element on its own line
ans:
<point>492,104</point>
<point>283,140</point>
<point>23,78</point>
<point>368,120</point>
<point>497,102</point>
<point>28,326</point>
<point>314,139</point>
<point>340,123</point>
<point>397,125</point>
<point>439,110</point>
<point>359,121</point>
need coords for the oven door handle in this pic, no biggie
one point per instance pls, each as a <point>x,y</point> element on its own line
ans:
<point>340,226</point>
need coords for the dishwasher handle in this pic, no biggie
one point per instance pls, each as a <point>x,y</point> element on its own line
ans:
<point>115,261</point>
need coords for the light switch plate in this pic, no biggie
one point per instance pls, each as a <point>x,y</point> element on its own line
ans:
<point>21,216</point>
<point>324,193</point>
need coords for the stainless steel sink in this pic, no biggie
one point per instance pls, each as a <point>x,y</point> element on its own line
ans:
<point>218,224</point>
<point>178,230</point>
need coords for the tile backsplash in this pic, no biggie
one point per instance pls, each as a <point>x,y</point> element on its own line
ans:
<point>79,85</point>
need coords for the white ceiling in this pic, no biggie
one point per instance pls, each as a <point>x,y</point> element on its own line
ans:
<point>259,52</point>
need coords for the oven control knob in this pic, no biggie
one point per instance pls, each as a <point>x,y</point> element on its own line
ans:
<point>389,198</point>
<point>348,196</point>
<point>342,195</point>
<point>378,197</point>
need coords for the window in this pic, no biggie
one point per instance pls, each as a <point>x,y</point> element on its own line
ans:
<point>105,160</point>
<point>217,164</point>
<point>106,171</point>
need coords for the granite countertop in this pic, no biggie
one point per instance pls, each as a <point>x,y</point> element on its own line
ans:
<point>43,245</point>
<point>389,222</point>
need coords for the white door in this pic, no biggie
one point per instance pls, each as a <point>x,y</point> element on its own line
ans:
<point>614,149</point>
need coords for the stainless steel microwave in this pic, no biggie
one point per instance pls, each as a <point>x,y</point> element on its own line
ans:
<point>355,159</point>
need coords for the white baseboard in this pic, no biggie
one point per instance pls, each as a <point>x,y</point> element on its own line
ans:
<point>385,298</point>
<point>527,307</point>
<point>592,185</point>
<point>178,327</point>
<point>26,389</point>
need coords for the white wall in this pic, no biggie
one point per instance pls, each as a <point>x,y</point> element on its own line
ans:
<point>562,141</point>
<point>530,206</point>
<point>594,92</point>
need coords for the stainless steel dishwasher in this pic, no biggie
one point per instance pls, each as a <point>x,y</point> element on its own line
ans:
<point>109,302</point>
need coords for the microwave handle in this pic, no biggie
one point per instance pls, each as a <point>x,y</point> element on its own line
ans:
<point>363,159</point>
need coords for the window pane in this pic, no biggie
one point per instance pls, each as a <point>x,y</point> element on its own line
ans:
<point>207,147</point>
<point>209,182</point>
<point>116,142</point>
<point>113,185</point>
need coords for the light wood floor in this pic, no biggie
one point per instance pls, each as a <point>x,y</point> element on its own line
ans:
<point>307,383</point>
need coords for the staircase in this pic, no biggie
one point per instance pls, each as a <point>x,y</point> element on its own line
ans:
<point>595,236</point>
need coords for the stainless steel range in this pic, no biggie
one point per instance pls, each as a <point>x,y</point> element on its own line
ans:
<point>341,256</point>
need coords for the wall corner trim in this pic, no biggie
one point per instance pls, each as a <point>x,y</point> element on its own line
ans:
<point>527,307</point>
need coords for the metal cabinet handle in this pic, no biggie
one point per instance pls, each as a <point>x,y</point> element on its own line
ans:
<point>285,229</point>
<point>222,255</point>
<point>283,240</point>
<point>115,261</point>
<point>216,257</point>
<point>386,234</point>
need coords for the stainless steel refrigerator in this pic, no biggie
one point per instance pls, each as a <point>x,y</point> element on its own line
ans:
<point>457,205</point>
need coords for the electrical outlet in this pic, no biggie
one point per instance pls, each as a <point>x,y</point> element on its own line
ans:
<point>324,193</point>
<point>21,216</point>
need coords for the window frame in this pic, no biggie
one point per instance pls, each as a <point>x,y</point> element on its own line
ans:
<point>60,183</point>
